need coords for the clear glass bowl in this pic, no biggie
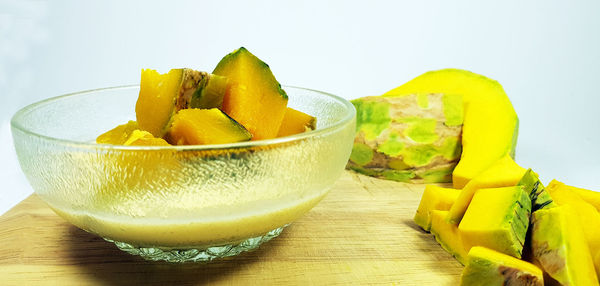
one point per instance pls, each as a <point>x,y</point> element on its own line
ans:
<point>178,203</point>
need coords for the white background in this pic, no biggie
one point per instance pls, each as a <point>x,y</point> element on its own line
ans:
<point>546,54</point>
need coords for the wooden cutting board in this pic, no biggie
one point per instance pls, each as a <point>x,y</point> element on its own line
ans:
<point>361,233</point>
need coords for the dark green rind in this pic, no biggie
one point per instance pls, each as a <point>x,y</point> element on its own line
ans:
<point>281,91</point>
<point>240,127</point>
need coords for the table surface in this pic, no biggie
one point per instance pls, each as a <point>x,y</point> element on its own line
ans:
<point>361,233</point>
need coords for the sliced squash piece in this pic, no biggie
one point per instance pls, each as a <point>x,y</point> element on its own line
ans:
<point>162,95</point>
<point>503,173</point>
<point>498,219</point>
<point>128,134</point>
<point>118,135</point>
<point>560,248</point>
<point>487,267</point>
<point>434,198</point>
<point>448,235</point>
<point>413,138</point>
<point>295,122</point>
<point>490,123</point>
<point>205,126</point>
<point>144,138</point>
<point>254,98</point>
<point>589,196</point>
<point>586,213</point>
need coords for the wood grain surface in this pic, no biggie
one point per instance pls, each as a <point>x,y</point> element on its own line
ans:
<point>362,233</point>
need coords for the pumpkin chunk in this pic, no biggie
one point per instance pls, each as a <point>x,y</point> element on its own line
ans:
<point>434,198</point>
<point>498,219</point>
<point>589,196</point>
<point>504,173</point>
<point>488,267</point>
<point>586,213</point>
<point>128,134</point>
<point>253,98</point>
<point>118,135</point>
<point>162,95</point>
<point>144,138</point>
<point>205,126</point>
<point>560,248</point>
<point>295,122</point>
<point>448,235</point>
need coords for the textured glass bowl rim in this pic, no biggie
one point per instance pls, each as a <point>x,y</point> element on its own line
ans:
<point>18,117</point>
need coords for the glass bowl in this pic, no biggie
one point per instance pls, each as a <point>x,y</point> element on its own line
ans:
<point>178,203</point>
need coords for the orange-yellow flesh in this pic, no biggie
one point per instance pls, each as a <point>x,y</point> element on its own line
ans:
<point>157,98</point>
<point>559,246</point>
<point>448,235</point>
<point>586,213</point>
<point>255,111</point>
<point>503,173</point>
<point>504,260</point>
<point>433,198</point>
<point>205,126</point>
<point>254,97</point>
<point>128,134</point>
<point>488,267</point>
<point>488,130</point>
<point>295,122</point>
<point>117,135</point>
<point>144,138</point>
<point>497,218</point>
<point>591,197</point>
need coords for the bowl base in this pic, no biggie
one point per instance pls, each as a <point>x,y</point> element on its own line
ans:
<point>197,254</point>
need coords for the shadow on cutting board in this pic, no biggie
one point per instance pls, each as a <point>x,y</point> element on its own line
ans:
<point>104,263</point>
<point>434,255</point>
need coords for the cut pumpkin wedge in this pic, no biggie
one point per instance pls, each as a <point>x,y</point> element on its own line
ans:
<point>205,126</point>
<point>253,98</point>
<point>162,95</point>
<point>295,122</point>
